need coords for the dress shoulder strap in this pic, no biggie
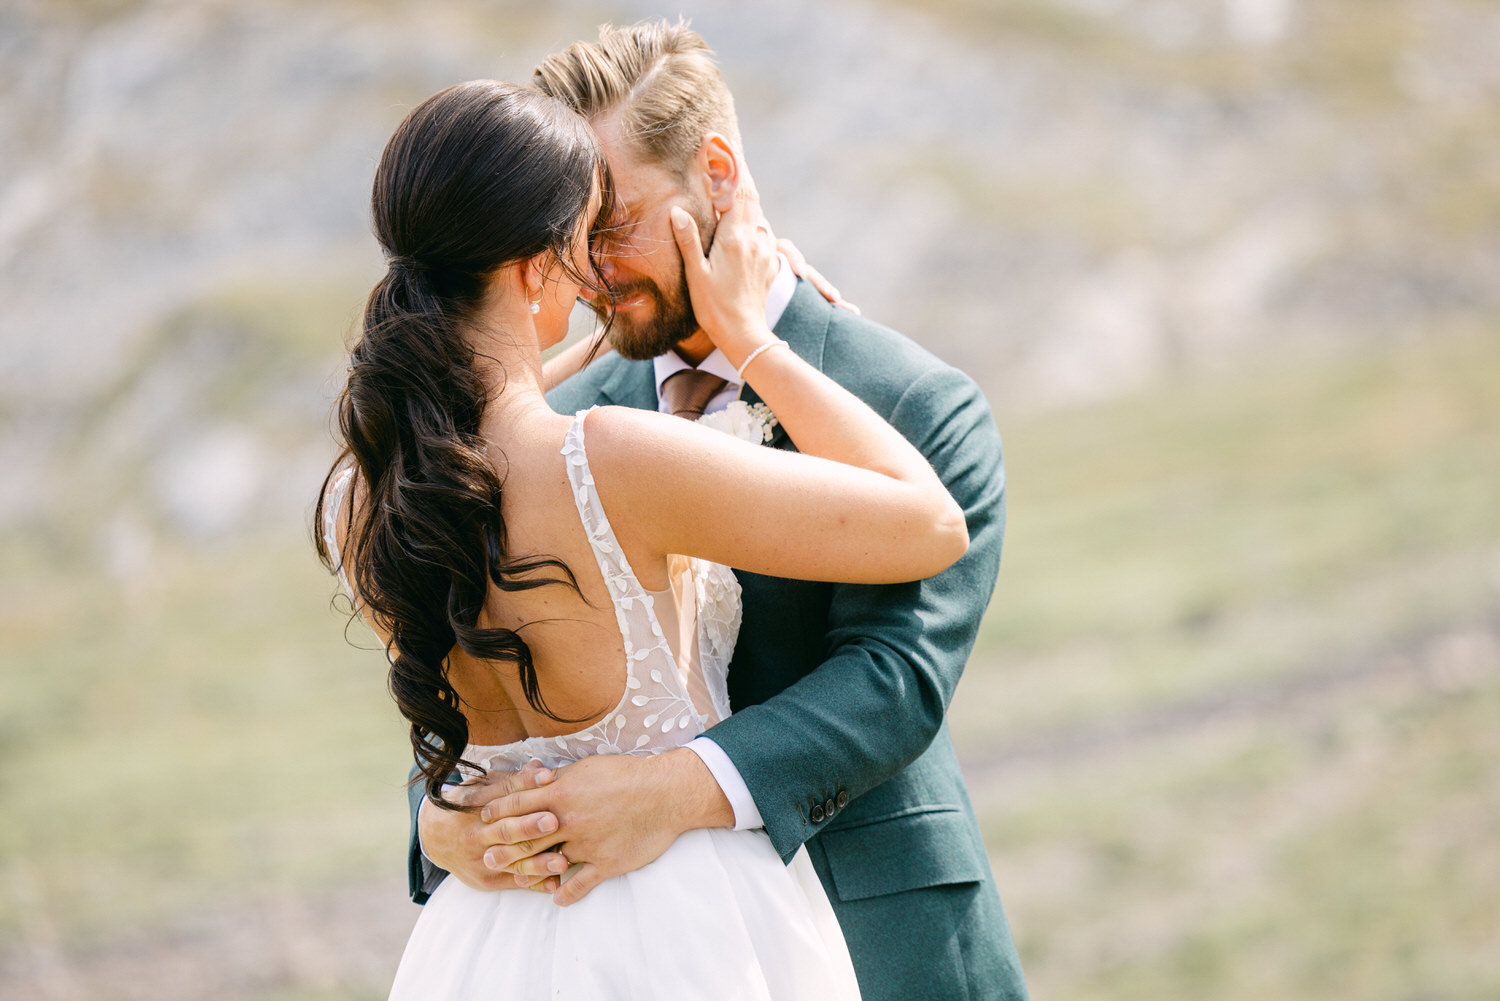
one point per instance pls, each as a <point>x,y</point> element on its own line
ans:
<point>617,572</point>
<point>654,689</point>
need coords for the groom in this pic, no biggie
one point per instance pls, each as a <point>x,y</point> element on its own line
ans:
<point>838,740</point>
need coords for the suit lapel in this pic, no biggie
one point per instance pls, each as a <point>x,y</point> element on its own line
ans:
<point>804,327</point>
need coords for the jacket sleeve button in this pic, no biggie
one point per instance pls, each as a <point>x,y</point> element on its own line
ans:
<point>843,800</point>
<point>829,808</point>
<point>817,814</point>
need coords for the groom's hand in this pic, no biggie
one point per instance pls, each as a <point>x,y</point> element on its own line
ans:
<point>499,853</point>
<point>619,812</point>
<point>814,277</point>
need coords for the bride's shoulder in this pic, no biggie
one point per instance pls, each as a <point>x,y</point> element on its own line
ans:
<point>616,426</point>
<point>629,445</point>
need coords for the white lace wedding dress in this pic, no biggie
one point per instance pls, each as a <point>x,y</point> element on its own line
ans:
<point>718,916</point>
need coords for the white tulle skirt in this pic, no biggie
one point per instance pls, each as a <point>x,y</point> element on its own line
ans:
<point>718,917</point>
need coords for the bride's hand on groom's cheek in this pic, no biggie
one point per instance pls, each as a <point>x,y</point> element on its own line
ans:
<point>499,846</point>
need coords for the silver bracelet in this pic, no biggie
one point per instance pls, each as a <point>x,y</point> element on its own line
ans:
<point>739,373</point>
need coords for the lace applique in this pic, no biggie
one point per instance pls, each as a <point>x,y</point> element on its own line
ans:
<point>719,612</point>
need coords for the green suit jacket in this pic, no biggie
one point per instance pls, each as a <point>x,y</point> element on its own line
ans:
<point>840,691</point>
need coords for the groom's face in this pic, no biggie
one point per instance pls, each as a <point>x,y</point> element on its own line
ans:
<point>653,313</point>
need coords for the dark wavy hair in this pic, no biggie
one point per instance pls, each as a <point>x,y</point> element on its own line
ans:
<point>478,176</point>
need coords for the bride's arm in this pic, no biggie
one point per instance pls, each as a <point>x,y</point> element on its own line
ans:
<point>574,359</point>
<point>858,504</point>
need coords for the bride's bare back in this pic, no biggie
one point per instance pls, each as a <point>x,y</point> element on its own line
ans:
<point>573,636</point>
<point>574,639</point>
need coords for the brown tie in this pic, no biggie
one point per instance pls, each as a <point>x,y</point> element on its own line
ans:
<point>687,392</point>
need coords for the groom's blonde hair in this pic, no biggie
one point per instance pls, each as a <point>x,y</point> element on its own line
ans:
<point>661,79</point>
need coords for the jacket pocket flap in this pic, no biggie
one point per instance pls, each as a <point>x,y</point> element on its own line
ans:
<point>904,853</point>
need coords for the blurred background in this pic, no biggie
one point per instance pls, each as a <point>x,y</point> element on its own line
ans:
<point>1228,271</point>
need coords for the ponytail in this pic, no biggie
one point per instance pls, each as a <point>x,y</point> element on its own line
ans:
<point>428,538</point>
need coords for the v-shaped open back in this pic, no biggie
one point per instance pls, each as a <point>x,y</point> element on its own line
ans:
<point>675,685</point>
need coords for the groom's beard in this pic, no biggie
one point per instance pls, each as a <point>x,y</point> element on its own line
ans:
<point>670,322</point>
<point>672,319</point>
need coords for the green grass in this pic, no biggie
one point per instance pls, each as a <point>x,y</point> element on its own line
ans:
<point>1345,850</point>
<point>198,735</point>
<point>1197,546</point>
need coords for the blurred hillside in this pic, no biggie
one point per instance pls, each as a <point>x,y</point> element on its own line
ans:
<point>1068,198</point>
<point>1229,271</point>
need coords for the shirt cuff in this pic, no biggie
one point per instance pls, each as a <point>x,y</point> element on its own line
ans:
<point>431,877</point>
<point>746,814</point>
<point>432,873</point>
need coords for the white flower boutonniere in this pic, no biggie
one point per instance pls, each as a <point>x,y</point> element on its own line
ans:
<point>752,423</point>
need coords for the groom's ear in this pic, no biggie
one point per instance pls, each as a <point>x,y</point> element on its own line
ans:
<point>719,164</point>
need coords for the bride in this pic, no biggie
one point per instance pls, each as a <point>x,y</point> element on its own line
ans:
<point>551,587</point>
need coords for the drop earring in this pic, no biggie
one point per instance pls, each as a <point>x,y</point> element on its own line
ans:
<point>536,304</point>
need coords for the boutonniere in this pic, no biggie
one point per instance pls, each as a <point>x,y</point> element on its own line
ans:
<point>747,422</point>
